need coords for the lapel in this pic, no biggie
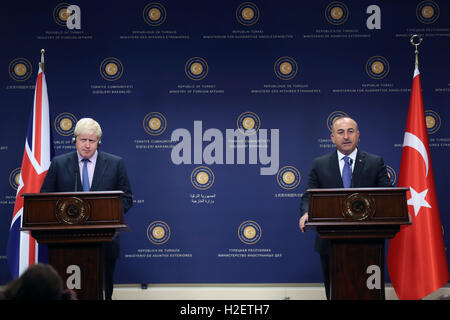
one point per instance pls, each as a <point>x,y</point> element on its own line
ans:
<point>334,170</point>
<point>359,167</point>
<point>99,170</point>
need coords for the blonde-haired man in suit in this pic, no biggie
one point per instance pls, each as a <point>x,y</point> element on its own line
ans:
<point>89,169</point>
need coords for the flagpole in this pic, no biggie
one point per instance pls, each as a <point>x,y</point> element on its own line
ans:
<point>416,44</point>
<point>42,59</point>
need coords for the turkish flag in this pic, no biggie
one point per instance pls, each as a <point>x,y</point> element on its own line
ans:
<point>417,262</point>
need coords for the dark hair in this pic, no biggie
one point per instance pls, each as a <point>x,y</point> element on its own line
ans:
<point>342,117</point>
<point>38,282</point>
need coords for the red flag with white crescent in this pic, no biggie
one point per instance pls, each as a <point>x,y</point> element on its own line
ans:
<point>417,262</point>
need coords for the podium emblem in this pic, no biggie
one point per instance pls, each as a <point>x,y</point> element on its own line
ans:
<point>358,206</point>
<point>72,210</point>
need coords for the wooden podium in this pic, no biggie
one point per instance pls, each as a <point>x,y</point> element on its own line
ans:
<point>75,226</point>
<point>357,222</point>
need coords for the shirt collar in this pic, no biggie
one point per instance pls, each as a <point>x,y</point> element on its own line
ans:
<point>92,159</point>
<point>351,155</point>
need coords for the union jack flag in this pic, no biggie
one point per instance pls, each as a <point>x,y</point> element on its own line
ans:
<point>23,250</point>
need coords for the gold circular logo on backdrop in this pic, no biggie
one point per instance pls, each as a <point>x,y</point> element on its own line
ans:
<point>65,124</point>
<point>427,11</point>
<point>249,232</point>
<point>61,14</point>
<point>336,13</point>
<point>248,123</point>
<point>247,13</point>
<point>154,14</point>
<point>288,177</point>
<point>202,178</point>
<point>20,69</point>
<point>377,67</point>
<point>111,69</point>
<point>14,178</point>
<point>158,232</point>
<point>154,123</point>
<point>433,121</point>
<point>196,68</point>
<point>72,210</point>
<point>285,68</point>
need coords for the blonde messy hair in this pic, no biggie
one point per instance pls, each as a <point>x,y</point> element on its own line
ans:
<point>88,126</point>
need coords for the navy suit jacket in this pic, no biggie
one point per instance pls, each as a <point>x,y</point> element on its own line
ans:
<point>109,175</point>
<point>369,172</point>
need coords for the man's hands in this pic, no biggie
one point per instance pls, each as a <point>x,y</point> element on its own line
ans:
<point>302,222</point>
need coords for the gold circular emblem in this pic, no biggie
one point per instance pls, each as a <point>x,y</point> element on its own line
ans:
<point>154,123</point>
<point>64,14</point>
<point>20,69</point>
<point>248,14</point>
<point>202,177</point>
<point>337,13</point>
<point>286,68</point>
<point>358,206</point>
<point>249,232</point>
<point>72,210</point>
<point>154,14</point>
<point>111,68</point>
<point>288,177</point>
<point>248,123</point>
<point>66,124</point>
<point>431,122</point>
<point>158,232</point>
<point>377,67</point>
<point>196,68</point>
<point>427,12</point>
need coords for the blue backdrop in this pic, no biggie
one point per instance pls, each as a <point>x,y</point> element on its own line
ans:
<point>218,109</point>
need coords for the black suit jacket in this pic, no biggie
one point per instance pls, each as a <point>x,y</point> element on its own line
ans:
<point>109,174</point>
<point>369,172</point>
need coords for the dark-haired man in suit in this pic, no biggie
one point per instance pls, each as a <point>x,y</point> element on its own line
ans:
<point>347,167</point>
<point>89,169</point>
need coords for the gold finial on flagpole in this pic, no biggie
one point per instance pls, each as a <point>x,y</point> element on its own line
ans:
<point>416,44</point>
<point>42,59</point>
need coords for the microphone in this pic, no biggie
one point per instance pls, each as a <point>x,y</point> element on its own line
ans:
<point>351,163</point>
<point>76,180</point>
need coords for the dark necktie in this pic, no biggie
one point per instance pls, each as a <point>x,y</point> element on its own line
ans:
<point>86,186</point>
<point>347,173</point>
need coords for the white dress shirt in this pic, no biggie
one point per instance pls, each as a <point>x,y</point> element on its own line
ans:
<point>90,166</point>
<point>342,161</point>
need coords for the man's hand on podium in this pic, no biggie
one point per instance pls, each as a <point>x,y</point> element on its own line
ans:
<point>302,222</point>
